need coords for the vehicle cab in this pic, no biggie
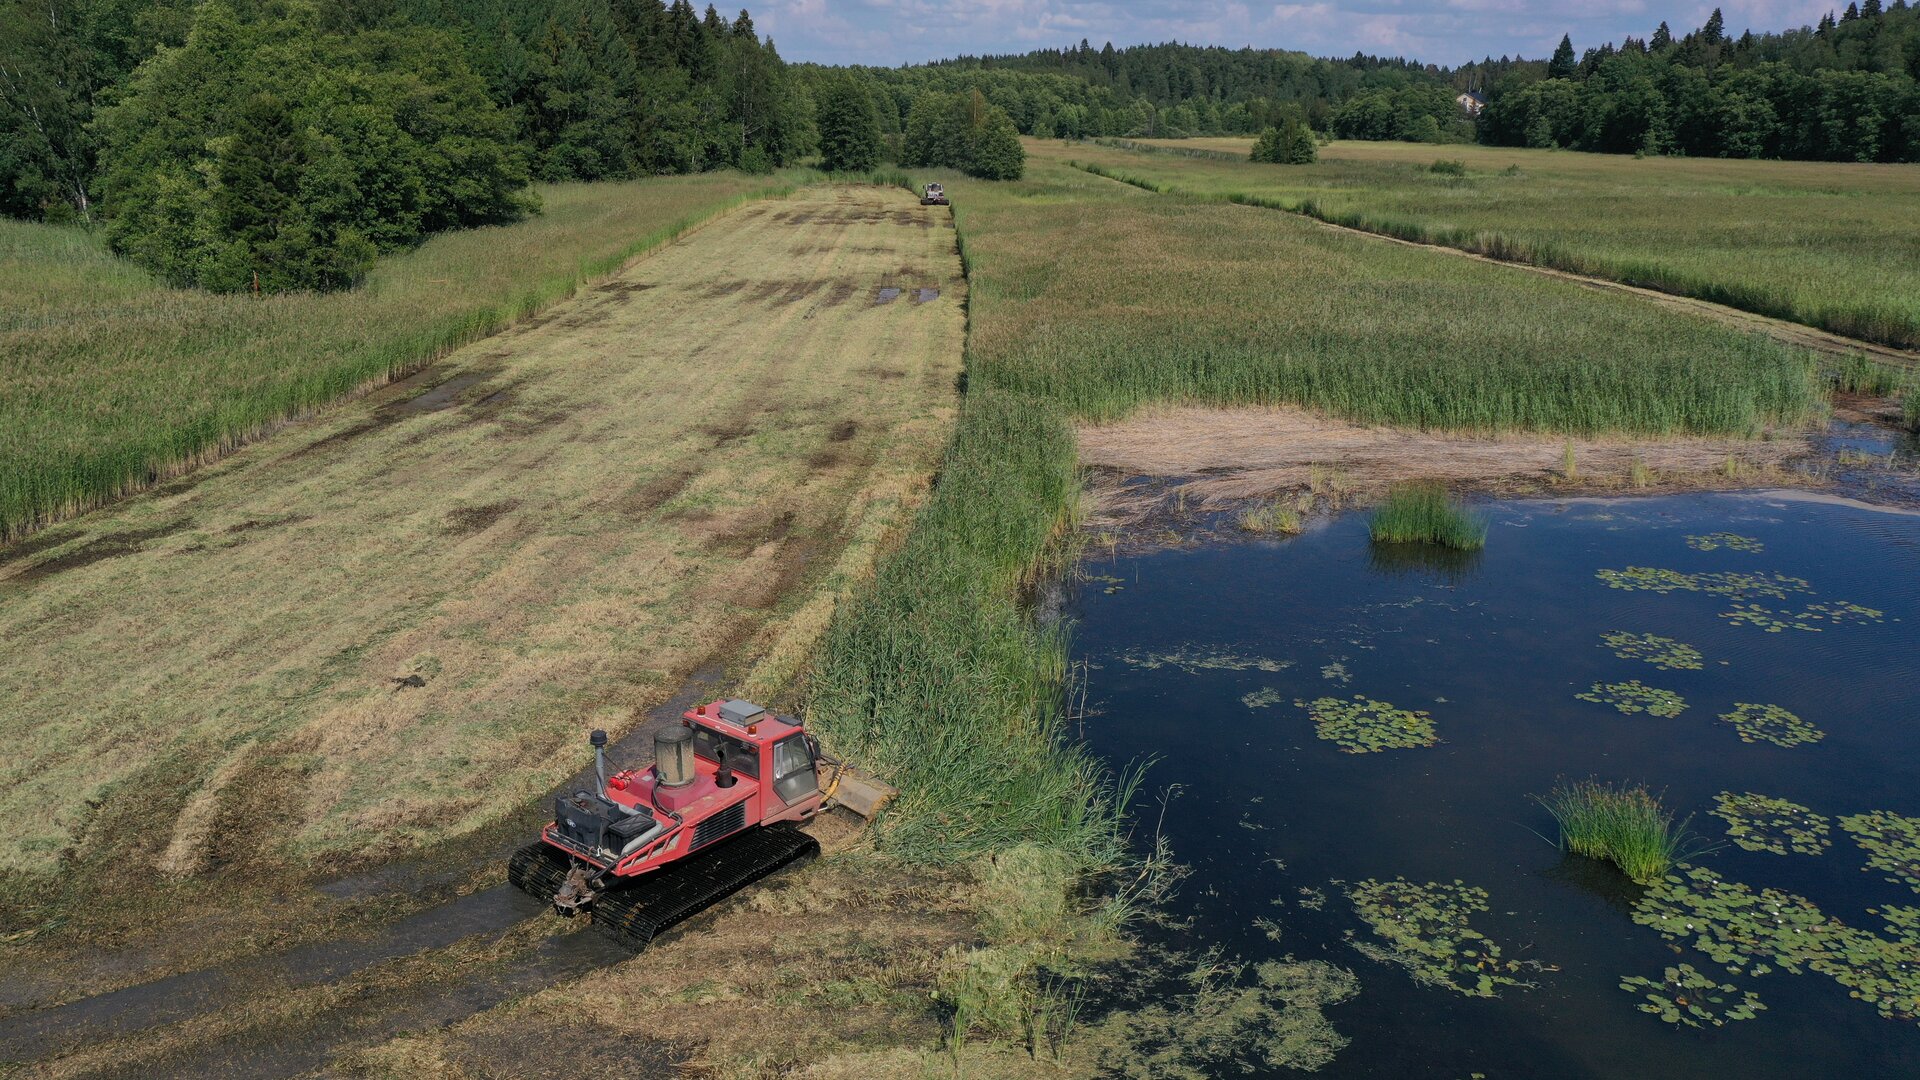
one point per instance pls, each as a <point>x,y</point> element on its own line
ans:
<point>727,767</point>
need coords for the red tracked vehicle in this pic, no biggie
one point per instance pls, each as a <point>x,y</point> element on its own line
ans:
<point>715,812</point>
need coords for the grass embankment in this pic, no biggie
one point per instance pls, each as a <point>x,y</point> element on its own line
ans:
<point>392,625</point>
<point>1625,825</point>
<point>1423,514</point>
<point>114,381</point>
<point>1835,246</point>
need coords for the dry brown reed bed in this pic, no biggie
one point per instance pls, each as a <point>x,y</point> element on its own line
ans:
<point>1213,457</point>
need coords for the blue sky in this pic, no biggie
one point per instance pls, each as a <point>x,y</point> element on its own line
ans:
<point>891,32</point>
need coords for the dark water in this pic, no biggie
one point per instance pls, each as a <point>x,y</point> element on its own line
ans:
<point>1871,460</point>
<point>1496,649</point>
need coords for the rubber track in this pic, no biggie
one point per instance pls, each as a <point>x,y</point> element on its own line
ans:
<point>539,869</point>
<point>635,914</point>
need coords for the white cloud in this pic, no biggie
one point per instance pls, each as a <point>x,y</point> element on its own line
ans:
<point>890,32</point>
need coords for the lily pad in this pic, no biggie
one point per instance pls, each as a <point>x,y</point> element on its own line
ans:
<point>1730,541</point>
<point>1194,659</point>
<point>1759,932</point>
<point>1764,823</point>
<point>1662,652</point>
<point>1892,843</point>
<point>1634,696</point>
<point>1771,723</point>
<point>1423,928</point>
<point>1262,698</point>
<point>1363,725</point>
<point>1684,996</point>
<point>1813,618</point>
<point>1740,586</point>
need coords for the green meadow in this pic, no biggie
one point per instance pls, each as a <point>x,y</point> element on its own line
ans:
<point>1830,245</point>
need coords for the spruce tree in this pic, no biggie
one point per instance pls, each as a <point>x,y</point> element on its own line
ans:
<point>1715,30</point>
<point>257,203</point>
<point>1662,37</point>
<point>1852,13</point>
<point>1563,65</point>
<point>1869,9</point>
<point>995,150</point>
<point>849,128</point>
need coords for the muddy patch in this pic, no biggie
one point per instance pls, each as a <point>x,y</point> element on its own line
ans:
<point>800,290</point>
<point>253,524</point>
<point>441,395</point>
<point>722,289</point>
<point>472,519</point>
<point>33,545</point>
<point>656,492</point>
<point>726,434</point>
<point>841,292</point>
<point>750,535</point>
<point>625,288</point>
<point>844,431</point>
<point>110,546</point>
<point>924,295</point>
<point>592,1050</point>
<point>886,295</point>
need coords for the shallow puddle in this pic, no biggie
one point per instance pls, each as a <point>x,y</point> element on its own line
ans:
<point>1771,729</point>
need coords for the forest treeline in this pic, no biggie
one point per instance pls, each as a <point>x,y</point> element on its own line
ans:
<point>283,144</point>
<point>1845,90</point>
<point>286,143</point>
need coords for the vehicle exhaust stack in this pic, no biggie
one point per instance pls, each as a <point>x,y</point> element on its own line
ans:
<point>673,756</point>
<point>598,740</point>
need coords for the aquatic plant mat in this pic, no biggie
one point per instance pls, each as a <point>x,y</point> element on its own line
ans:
<point>1423,928</point>
<point>1367,787</point>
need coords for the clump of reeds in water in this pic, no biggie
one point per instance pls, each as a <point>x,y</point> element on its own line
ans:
<point>1273,517</point>
<point>1423,513</point>
<point>1625,825</point>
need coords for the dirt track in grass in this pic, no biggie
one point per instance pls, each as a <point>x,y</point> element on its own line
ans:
<point>391,627</point>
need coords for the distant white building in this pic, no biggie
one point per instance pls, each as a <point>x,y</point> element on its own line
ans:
<point>1470,102</point>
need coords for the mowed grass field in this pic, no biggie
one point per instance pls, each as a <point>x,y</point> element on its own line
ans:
<point>1830,245</point>
<point>112,380</point>
<point>397,622</point>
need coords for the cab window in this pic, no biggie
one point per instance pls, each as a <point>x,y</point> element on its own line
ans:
<point>793,774</point>
<point>708,744</point>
